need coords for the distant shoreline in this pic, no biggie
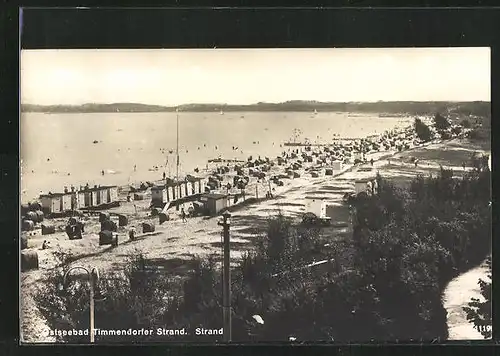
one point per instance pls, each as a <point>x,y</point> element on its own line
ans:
<point>481,108</point>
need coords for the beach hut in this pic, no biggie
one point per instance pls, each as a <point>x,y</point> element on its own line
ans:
<point>29,260</point>
<point>51,202</point>
<point>202,184</point>
<point>84,199</point>
<point>337,165</point>
<point>75,201</point>
<point>103,195</point>
<point>66,202</point>
<point>158,196</point>
<point>170,190</point>
<point>189,188</point>
<point>214,203</point>
<point>181,189</point>
<point>95,197</point>
<point>314,205</point>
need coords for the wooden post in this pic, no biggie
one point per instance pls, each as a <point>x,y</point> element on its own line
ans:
<point>226,296</point>
<point>91,308</point>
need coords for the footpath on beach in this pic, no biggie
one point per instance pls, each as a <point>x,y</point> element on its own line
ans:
<point>457,294</point>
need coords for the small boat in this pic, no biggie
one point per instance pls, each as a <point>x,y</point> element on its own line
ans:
<point>95,141</point>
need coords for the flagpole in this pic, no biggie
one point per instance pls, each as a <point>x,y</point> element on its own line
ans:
<point>177,168</point>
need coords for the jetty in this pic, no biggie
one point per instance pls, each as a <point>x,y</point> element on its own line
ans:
<point>225,160</point>
<point>304,144</point>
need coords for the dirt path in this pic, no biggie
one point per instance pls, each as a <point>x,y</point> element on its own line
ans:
<point>457,295</point>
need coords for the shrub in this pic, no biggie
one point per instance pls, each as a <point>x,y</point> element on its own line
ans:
<point>440,122</point>
<point>466,124</point>
<point>422,130</point>
<point>479,134</point>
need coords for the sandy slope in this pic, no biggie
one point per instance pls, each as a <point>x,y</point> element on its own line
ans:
<point>202,236</point>
<point>458,294</point>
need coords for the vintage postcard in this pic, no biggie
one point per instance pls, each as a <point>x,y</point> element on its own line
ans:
<point>250,195</point>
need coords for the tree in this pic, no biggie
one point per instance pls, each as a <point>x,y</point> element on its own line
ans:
<point>440,122</point>
<point>479,312</point>
<point>422,130</point>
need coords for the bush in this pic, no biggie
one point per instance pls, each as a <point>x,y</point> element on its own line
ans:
<point>135,299</point>
<point>479,134</point>
<point>466,124</point>
<point>422,130</point>
<point>441,123</point>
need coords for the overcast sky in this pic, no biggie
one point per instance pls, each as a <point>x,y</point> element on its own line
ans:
<point>245,76</point>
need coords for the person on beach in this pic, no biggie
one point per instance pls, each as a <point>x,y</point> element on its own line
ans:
<point>102,172</point>
<point>183,215</point>
<point>416,163</point>
<point>164,175</point>
<point>463,165</point>
<point>135,168</point>
<point>371,161</point>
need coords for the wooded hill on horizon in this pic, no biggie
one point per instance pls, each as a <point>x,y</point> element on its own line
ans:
<point>480,108</point>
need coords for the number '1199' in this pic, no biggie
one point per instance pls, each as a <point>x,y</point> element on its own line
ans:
<point>482,328</point>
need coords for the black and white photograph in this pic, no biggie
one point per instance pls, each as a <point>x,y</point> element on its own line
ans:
<point>255,195</point>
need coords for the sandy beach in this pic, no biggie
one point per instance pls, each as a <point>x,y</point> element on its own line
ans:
<point>176,241</point>
<point>55,154</point>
